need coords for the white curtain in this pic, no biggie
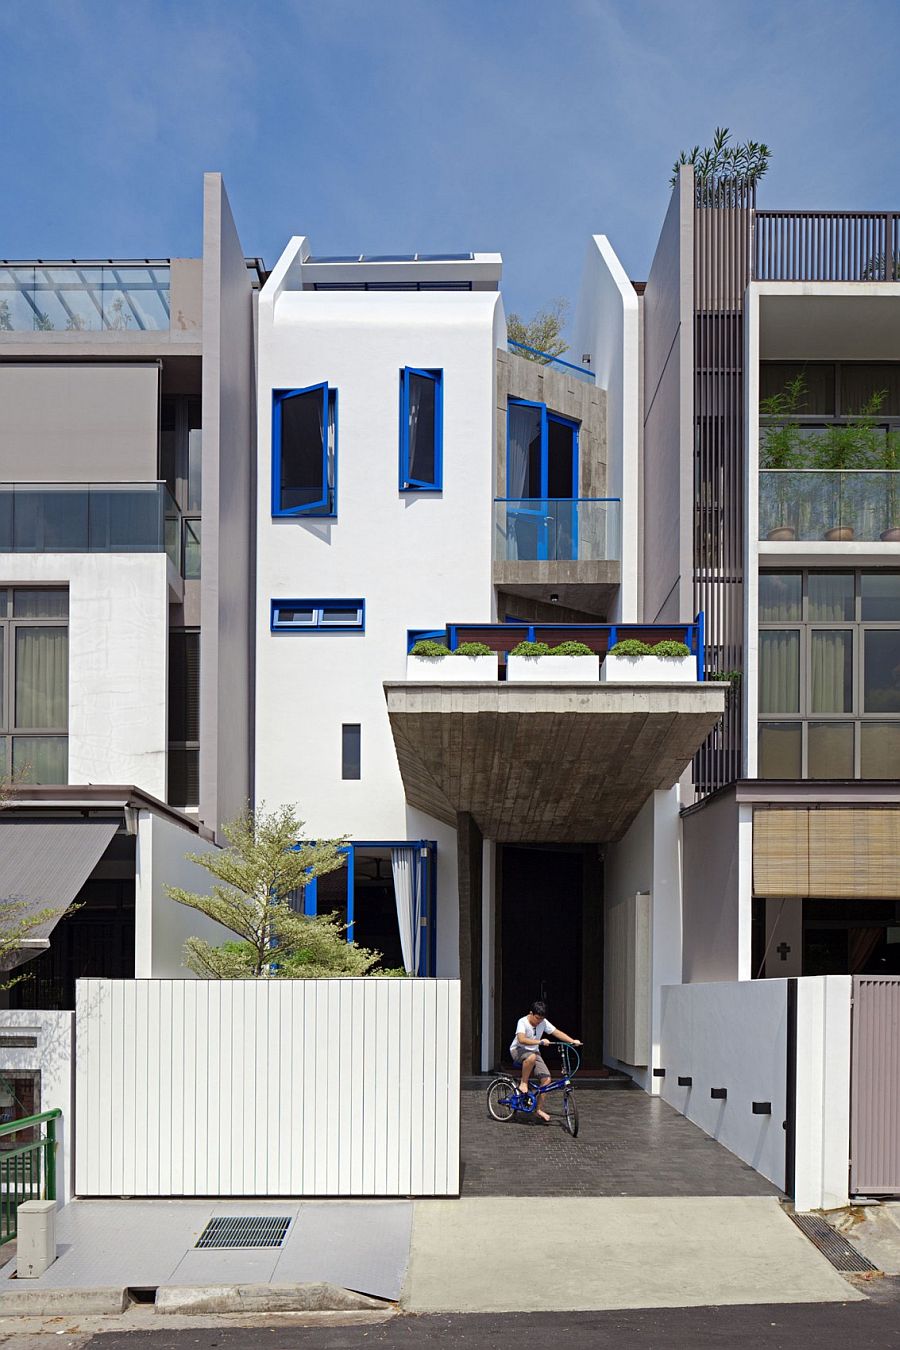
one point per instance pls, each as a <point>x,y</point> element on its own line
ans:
<point>521,433</point>
<point>42,677</point>
<point>779,671</point>
<point>408,897</point>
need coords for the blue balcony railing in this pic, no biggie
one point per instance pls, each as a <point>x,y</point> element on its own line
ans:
<point>545,529</point>
<point>546,359</point>
<point>88,297</point>
<point>90,518</point>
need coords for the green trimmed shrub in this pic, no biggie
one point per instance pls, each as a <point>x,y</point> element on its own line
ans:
<point>571,648</point>
<point>473,649</point>
<point>669,648</point>
<point>530,649</point>
<point>631,647</point>
<point>732,677</point>
<point>428,647</point>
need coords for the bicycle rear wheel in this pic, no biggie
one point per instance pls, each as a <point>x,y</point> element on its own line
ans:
<point>498,1099</point>
<point>570,1113</point>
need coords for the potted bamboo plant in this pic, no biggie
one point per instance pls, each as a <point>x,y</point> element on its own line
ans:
<point>889,460</point>
<point>781,448</point>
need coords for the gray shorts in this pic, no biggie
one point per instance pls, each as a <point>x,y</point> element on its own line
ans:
<point>521,1052</point>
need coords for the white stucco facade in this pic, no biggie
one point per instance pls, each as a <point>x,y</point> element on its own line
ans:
<point>118,660</point>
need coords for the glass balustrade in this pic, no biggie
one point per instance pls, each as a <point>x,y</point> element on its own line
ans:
<point>829,504</point>
<point>89,518</point>
<point>577,529</point>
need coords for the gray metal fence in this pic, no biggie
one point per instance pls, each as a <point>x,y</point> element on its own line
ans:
<point>875,1086</point>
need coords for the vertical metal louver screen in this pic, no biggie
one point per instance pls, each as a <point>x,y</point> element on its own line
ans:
<point>875,1086</point>
<point>723,214</point>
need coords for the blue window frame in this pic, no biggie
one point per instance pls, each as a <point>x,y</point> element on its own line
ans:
<point>541,453</point>
<point>421,430</point>
<point>318,616</point>
<point>423,854</point>
<point>304,451</point>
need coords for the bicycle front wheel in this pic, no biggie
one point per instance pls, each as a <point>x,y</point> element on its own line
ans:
<point>499,1099</point>
<point>570,1113</point>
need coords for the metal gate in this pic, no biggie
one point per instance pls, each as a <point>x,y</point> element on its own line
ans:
<point>875,1086</point>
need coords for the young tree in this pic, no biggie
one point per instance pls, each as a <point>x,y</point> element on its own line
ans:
<point>543,332</point>
<point>255,878</point>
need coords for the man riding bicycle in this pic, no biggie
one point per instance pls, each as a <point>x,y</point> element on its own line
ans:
<point>532,1032</point>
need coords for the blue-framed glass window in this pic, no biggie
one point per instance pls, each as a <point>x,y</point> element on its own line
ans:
<point>318,616</point>
<point>421,430</point>
<point>364,896</point>
<point>541,453</point>
<point>304,451</point>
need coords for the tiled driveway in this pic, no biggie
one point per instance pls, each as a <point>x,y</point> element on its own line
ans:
<point>628,1144</point>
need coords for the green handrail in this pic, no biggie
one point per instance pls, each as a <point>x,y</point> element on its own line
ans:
<point>13,1126</point>
<point>46,1145</point>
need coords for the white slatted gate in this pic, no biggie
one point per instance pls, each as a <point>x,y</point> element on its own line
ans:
<point>346,1087</point>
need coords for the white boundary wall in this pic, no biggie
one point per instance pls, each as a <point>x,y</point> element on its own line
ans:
<point>735,1036</point>
<point>52,1058</point>
<point>272,1088</point>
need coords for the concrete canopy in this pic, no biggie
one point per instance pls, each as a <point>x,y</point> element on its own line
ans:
<point>547,763</point>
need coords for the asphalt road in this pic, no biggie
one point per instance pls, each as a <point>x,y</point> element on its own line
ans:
<point>872,1325</point>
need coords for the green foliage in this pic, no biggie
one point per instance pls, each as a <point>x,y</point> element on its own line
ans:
<point>857,445</point>
<point>530,649</point>
<point>631,647</point>
<point>473,649</point>
<point>428,647</point>
<point>571,648</point>
<point>543,332</point>
<point>732,677</point>
<point>256,877</point>
<point>5,317</point>
<point>723,165</point>
<point>668,648</point>
<point>782,444</point>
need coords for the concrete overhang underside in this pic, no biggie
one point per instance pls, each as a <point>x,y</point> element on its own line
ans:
<point>546,763</point>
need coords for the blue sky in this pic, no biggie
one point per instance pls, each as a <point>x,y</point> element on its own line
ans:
<point>396,125</point>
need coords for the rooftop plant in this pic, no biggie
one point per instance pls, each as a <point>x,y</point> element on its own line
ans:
<point>723,168</point>
<point>543,332</point>
<point>668,648</point>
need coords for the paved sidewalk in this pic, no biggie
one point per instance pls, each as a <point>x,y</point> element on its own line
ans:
<point>508,1254</point>
<point>628,1144</point>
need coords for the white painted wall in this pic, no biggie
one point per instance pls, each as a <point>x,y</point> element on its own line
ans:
<point>607,326</point>
<point>648,859</point>
<point>419,560</point>
<point>118,660</point>
<point>258,1088</point>
<point>161,926</point>
<point>822,1165</point>
<point>734,1036</point>
<point>53,1058</point>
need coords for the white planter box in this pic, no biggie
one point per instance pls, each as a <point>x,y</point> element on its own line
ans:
<point>553,669</point>
<point>451,669</point>
<point>648,669</point>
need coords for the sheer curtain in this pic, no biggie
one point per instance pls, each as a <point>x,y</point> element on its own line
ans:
<point>408,897</point>
<point>42,667</point>
<point>830,667</point>
<point>779,671</point>
<point>521,434</point>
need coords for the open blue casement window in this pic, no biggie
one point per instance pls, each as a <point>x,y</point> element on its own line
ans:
<point>421,430</point>
<point>304,451</point>
<point>318,616</point>
<point>541,481</point>
<point>384,898</point>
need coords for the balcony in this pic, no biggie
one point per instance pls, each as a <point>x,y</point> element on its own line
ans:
<point>89,297</point>
<point>833,505</point>
<point>826,246</point>
<point>567,547</point>
<point>555,362</point>
<point>90,518</point>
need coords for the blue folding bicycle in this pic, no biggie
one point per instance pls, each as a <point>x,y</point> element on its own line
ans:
<point>504,1098</point>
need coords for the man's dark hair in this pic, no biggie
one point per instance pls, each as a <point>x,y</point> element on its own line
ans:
<point>538,1008</point>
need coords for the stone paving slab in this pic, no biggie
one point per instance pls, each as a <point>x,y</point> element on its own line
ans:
<point>517,1254</point>
<point>361,1245</point>
<point>628,1144</point>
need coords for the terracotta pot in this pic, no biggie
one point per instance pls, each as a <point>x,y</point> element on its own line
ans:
<point>782,532</point>
<point>891,535</point>
<point>840,534</point>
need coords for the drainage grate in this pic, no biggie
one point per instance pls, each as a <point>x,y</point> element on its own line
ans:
<point>244,1231</point>
<point>837,1249</point>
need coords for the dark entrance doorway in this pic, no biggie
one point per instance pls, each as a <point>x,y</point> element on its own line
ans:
<point>550,926</point>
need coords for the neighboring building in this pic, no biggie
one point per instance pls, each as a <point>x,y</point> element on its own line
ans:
<point>126,405</point>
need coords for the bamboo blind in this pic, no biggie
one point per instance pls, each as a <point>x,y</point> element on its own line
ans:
<point>832,853</point>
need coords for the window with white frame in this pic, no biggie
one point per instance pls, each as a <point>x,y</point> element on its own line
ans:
<point>304,451</point>
<point>34,683</point>
<point>829,674</point>
<point>421,430</point>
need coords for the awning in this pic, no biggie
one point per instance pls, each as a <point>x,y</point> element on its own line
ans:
<point>45,863</point>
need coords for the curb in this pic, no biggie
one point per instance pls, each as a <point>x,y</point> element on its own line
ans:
<point>255,1298</point>
<point>45,1302</point>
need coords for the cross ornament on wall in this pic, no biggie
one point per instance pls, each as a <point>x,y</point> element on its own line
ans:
<point>782,949</point>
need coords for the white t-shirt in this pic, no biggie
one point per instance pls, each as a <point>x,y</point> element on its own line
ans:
<point>525,1028</point>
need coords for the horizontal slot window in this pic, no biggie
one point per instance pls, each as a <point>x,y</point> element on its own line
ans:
<point>318,615</point>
